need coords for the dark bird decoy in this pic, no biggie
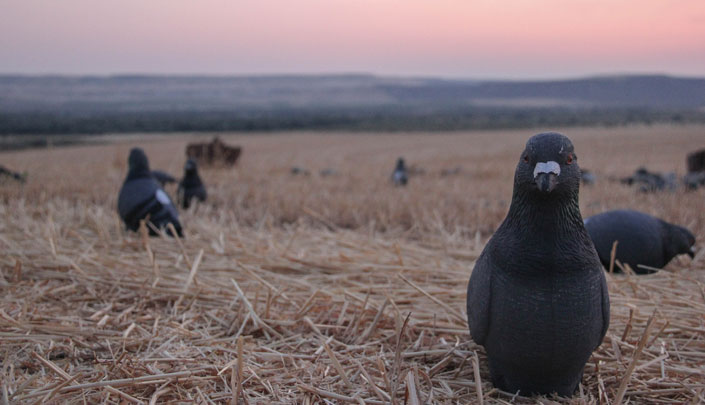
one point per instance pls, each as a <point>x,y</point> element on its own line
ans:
<point>328,172</point>
<point>163,177</point>
<point>7,173</point>
<point>694,180</point>
<point>537,297</point>
<point>400,176</point>
<point>141,197</point>
<point>299,171</point>
<point>641,239</point>
<point>647,181</point>
<point>191,186</point>
<point>587,177</point>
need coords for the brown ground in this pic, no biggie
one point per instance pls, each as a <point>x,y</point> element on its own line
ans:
<point>316,274</point>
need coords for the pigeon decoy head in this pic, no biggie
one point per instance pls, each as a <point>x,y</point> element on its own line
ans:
<point>548,165</point>
<point>137,161</point>
<point>680,241</point>
<point>190,166</point>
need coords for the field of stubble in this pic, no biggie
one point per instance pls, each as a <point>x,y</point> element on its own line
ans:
<point>313,289</point>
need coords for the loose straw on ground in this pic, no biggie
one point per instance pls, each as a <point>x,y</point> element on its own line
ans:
<point>343,316</point>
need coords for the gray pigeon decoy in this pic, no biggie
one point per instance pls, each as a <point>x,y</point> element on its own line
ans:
<point>5,172</point>
<point>141,197</point>
<point>537,297</point>
<point>191,186</point>
<point>641,239</point>
<point>400,176</point>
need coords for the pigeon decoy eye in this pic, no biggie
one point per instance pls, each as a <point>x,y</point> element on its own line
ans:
<point>526,158</point>
<point>569,159</point>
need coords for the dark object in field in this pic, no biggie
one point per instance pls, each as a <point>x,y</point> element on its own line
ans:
<point>400,176</point>
<point>141,197</point>
<point>696,161</point>
<point>642,239</point>
<point>328,172</point>
<point>648,181</point>
<point>451,172</point>
<point>298,171</point>
<point>214,153</point>
<point>694,180</point>
<point>696,170</point>
<point>162,177</point>
<point>587,177</point>
<point>7,173</point>
<point>191,185</point>
<point>537,298</point>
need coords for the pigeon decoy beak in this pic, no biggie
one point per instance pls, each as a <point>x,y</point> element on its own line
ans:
<point>546,175</point>
<point>545,182</point>
<point>691,252</point>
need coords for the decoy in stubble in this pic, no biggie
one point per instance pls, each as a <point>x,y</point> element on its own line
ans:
<point>694,180</point>
<point>641,239</point>
<point>9,174</point>
<point>537,297</point>
<point>400,176</point>
<point>587,177</point>
<point>191,186</point>
<point>647,181</point>
<point>141,198</point>
<point>299,171</point>
<point>328,172</point>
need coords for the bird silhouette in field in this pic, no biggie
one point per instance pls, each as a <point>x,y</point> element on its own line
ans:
<point>400,176</point>
<point>141,198</point>
<point>537,297</point>
<point>641,239</point>
<point>191,186</point>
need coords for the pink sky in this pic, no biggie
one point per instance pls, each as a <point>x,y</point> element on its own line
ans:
<point>450,38</point>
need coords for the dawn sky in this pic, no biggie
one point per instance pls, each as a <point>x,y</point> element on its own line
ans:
<point>511,39</point>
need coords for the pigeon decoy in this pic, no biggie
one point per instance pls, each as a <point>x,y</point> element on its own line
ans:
<point>141,198</point>
<point>641,239</point>
<point>537,297</point>
<point>191,186</point>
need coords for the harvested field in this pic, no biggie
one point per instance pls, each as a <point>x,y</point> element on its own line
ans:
<point>317,289</point>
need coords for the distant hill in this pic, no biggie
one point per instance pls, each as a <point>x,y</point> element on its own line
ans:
<point>65,104</point>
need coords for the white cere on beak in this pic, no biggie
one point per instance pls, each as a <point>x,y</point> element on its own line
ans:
<point>547,167</point>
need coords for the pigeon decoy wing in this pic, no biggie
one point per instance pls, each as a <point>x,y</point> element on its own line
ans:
<point>478,301</point>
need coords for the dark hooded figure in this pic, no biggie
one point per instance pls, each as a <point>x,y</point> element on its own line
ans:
<point>142,198</point>
<point>400,177</point>
<point>191,185</point>
<point>641,239</point>
<point>537,297</point>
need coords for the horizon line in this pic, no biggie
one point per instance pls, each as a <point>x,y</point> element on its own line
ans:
<point>347,74</point>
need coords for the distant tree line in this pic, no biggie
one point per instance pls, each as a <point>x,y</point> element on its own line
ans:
<point>372,119</point>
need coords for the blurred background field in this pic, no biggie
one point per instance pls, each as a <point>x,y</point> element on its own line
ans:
<point>297,288</point>
<point>471,196</point>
